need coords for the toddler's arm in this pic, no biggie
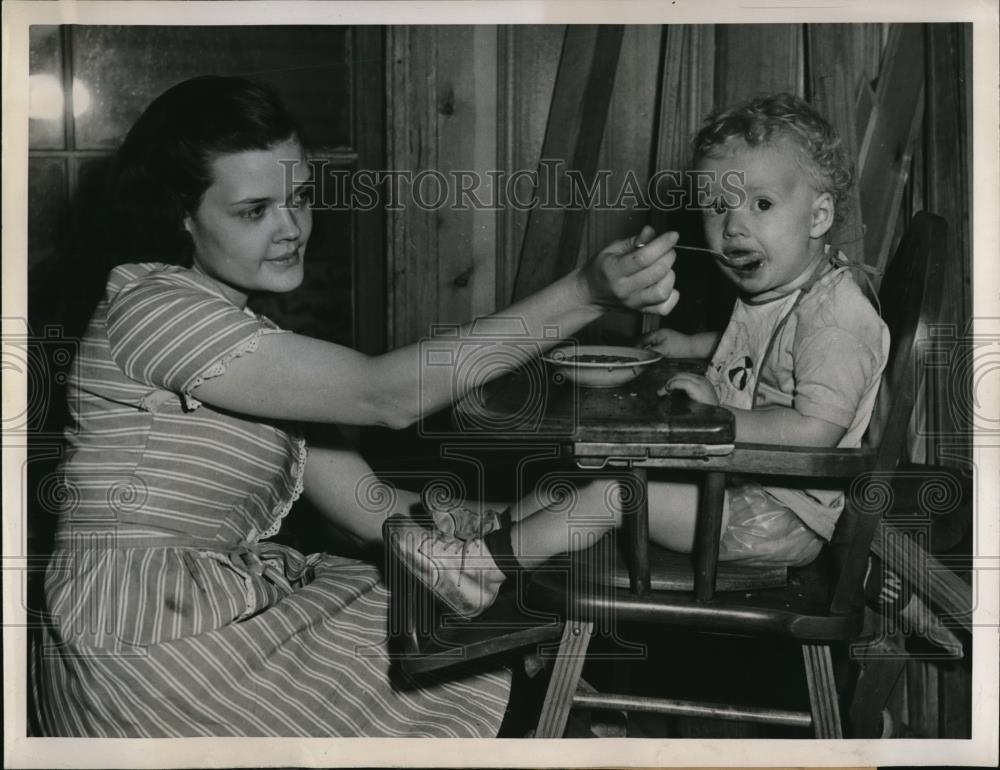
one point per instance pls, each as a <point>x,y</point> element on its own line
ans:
<point>767,425</point>
<point>674,344</point>
<point>783,425</point>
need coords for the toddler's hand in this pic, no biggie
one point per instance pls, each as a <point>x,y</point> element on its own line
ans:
<point>696,386</point>
<point>667,342</point>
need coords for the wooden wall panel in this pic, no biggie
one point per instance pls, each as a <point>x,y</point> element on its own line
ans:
<point>628,136</point>
<point>752,59</point>
<point>625,153</point>
<point>529,58</point>
<point>955,698</point>
<point>922,698</point>
<point>686,99</point>
<point>467,110</point>
<point>947,163</point>
<point>411,120</point>
<point>687,86</point>
<point>886,149</point>
<point>843,59</point>
<point>442,117</point>
<point>368,237</point>
<point>574,132</point>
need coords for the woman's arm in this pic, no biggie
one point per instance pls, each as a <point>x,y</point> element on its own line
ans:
<point>352,498</point>
<point>295,377</point>
<point>344,488</point>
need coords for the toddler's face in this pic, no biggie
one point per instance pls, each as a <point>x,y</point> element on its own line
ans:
<point>772,233</point>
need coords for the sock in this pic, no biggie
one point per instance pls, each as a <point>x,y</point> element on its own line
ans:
<point>501,548</point>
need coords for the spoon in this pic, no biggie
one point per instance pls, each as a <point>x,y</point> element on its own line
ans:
<point>717,254</point>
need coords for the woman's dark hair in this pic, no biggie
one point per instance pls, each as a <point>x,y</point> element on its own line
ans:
<point>163,167</point>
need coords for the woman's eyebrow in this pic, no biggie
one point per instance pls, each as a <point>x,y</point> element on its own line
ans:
<point>251,199</point>
<point>267,198</point>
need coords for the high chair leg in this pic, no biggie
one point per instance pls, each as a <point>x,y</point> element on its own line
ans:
<point>565,676</point>
<point>822,691</point>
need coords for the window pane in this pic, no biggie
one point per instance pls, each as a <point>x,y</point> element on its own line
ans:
<point>47,207</point>
<point>45,126</point>
<point>123,68</point>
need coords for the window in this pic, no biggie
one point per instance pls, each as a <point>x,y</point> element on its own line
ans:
<point>90,83</point>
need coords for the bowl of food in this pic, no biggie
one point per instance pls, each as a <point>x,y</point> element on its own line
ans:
<point>600,366</point>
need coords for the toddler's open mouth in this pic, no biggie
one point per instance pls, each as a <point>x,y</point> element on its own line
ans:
<point>744,260</point>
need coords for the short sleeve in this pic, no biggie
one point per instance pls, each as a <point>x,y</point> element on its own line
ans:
<point>833,371</point>
<point>170,334</point>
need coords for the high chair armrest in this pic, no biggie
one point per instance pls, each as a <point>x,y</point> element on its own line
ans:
<point>772,460</point>
<point>827,463</point>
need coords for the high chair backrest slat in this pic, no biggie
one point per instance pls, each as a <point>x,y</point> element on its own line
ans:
<point>910,297</point>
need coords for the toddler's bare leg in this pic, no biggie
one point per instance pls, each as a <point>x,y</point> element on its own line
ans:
<point>565,524</point>
<point>673,513</point>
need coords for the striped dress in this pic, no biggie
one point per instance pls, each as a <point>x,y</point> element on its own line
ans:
<point>169,614</point>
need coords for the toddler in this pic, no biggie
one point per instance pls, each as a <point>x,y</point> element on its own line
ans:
<point>798,364</point>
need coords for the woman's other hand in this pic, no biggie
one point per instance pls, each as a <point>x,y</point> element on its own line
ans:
<point>696,386</point>
<point>635,272</point>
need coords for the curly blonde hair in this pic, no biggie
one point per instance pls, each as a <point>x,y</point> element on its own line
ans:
<point>783,116</point>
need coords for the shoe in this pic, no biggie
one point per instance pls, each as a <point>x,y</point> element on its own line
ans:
<point>462,523</point>
<point>460,573</point>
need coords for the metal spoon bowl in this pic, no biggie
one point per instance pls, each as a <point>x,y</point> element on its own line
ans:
<point>717,254</point>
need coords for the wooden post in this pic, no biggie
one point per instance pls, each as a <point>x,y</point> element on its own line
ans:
<point>709,530</point>
<point>638,527</point>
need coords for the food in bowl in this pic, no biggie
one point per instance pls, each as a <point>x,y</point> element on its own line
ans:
<point>600,366</point>
<point>600,359</point>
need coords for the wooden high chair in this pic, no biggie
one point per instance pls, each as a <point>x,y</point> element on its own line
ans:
<point>822,603</point>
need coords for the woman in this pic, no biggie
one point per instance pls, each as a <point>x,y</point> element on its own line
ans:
<point>170,612</point>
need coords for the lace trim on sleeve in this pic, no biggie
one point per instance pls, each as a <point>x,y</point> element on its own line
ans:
<point>248,346</point>
<point>301,453</point>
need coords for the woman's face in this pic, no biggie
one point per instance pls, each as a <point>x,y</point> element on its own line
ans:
<point>252,225</point>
